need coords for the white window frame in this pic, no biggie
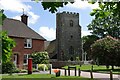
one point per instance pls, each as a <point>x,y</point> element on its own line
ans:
<point>26,60</point>
<point>28,42</point>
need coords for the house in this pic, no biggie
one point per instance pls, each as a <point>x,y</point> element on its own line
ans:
<point>27,40</point>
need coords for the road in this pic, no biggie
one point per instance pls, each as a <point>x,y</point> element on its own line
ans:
<point>101,76</point>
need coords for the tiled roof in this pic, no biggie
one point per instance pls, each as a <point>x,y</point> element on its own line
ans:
<point>17,28</point>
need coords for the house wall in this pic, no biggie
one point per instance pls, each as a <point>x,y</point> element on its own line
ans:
<point>37,46</point>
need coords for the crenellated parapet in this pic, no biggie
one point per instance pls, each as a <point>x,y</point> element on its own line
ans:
<point>69,13</point>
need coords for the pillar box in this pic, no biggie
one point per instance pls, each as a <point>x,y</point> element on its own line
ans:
<point>30,66</point>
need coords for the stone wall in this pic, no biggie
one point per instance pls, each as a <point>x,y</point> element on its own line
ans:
<point>60,64</point>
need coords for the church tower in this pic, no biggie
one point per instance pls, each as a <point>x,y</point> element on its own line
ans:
<point>68,36</point>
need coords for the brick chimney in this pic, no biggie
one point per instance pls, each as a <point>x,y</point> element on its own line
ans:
<point>24,18</point>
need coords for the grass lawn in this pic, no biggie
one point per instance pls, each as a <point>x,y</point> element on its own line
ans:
<point>41,76</point>
<point>96,68</point>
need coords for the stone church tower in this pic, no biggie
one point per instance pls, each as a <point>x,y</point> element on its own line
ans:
<point>68,36</point>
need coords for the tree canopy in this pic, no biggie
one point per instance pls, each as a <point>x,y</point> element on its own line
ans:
<point>107,20</point>
<point>106,50</point>
<point>53,6</point>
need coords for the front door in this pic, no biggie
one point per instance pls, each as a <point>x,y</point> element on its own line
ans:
<point>15,59</point>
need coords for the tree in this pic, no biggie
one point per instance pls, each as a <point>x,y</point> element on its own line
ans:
<point>87,42</point>
<point>53,6</point>
<point>2,16</point>
<point>107,8</point>
<point>107,20</point>
<point>106,50</point>
<point>7,45</point>
<point>109,25</point>
<point>40,57</point>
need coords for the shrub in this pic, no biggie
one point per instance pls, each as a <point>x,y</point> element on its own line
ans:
<point>40,58</point>
<point>17,70</point>
<point>8,67</point>
<point>23,70</point>
<point>41,67</point>
<point>35,70</point>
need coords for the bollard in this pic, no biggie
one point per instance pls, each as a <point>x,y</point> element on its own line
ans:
<point>65,72</point>
<point>58,74</point>
<point>68,71</point>
<point>79,72</point>
<point>91,74</point>
<point>75,71</point>
<point>50,68</point>
<point>111,75</point>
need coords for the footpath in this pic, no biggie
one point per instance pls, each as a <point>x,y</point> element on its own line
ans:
<point>101,76</point>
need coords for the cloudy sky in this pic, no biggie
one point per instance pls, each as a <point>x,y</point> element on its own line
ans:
<point>44,22</point>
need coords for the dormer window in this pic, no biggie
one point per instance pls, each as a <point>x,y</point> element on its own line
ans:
<point>28,43</point>
<point>71,23</point>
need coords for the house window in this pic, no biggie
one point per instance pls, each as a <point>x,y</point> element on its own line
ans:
<point>71,23</point>
<point>26,56</point>
<point>28,43</point>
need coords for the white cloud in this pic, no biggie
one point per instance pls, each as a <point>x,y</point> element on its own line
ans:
<point>18,6</point>
<point>85,33</point>
<point>33,19</point>
<point>82,5</point>
<point>17,18</point>
<point>14,5</point>
<point>47,33</point>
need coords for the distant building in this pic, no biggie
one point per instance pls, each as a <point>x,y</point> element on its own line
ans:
<point>27,40</point>
<point>67,45</point>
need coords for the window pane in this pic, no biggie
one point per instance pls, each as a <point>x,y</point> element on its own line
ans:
<point>25,58</point>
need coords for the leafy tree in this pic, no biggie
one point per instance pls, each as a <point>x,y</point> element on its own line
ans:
<point>106,50</point>
<point>87,42</point>
<point>40,57</point>
<point>107,8</point>
<point>109,25</point>
<point>107,20</point>
<point>7,45</point>
<point>53,6</point>
<point>2,16</point>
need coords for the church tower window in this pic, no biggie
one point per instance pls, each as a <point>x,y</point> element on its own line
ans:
<point>71,23</point>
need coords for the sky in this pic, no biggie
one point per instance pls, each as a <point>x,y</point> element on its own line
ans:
<point>43,21</point>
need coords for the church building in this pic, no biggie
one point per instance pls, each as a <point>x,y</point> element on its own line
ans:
<point>67,45</point>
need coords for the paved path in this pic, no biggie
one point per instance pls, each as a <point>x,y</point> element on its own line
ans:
<point>100,76</point>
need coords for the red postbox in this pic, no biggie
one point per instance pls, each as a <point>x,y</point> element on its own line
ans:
<point>30,66</point>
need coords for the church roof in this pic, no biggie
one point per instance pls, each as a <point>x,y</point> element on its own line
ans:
<point>51,47</point>
<point>16,28</point>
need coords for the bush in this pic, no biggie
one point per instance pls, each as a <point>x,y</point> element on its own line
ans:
<point>40,58</point>
<point>8,67</point>
<point>35,70</point>
<point>41,67</point>
<point>17,70</point>
<point>23,70</point>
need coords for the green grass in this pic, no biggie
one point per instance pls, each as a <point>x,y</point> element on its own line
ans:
<point>45,76</point>
<point>87,67</point>
<point>96,68</point>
